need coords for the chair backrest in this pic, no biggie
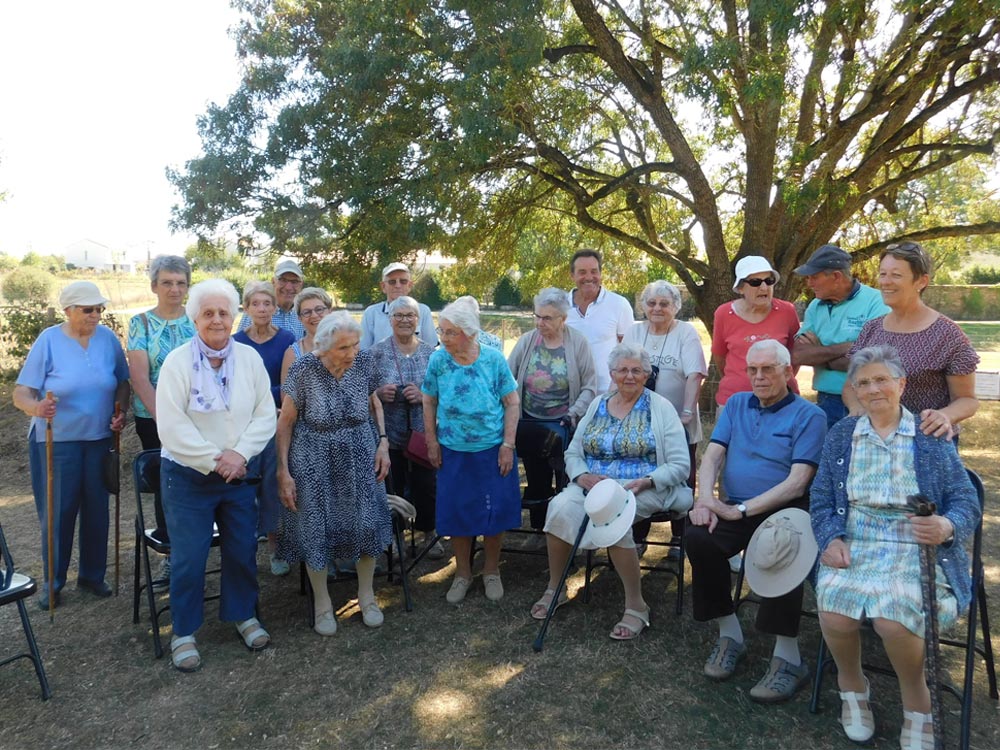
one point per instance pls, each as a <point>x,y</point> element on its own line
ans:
<point>146,479</point>
<point>6,562</point>
<point>977,537</point>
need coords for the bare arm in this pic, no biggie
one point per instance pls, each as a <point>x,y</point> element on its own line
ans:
<point>707,506</point>
<point>382,452</point>
<point>940,422</point>
<point>692,392</point>
<point>793,487</point>
<point>31,403</point>
<point>430,430</point>
<point>287,360</point>
<point>807,350</point>
<point>122,395</point>
<point>283,439</point>
<point>138,373</point>
<point>511,414</point>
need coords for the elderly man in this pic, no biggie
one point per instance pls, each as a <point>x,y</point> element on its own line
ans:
<point>375,324</point>
<point>287,281</point>
<point>766,445</point>
<point>601,316</point>
<point>832,322</point>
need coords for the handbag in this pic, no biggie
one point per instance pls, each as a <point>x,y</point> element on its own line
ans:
<point>416,444</point>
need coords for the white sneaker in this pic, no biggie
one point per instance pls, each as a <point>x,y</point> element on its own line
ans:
<point>279,567</point>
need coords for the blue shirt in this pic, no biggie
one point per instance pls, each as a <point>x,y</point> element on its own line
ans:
<point>286,320</point>
<point>83,380</point>
<point>157,337</point>
<point>272,352</point>
<point>840,323</point>
<point>762,442</point>
<point>469,410</point>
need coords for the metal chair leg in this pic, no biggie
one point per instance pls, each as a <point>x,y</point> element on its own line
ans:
<point>36,654</point>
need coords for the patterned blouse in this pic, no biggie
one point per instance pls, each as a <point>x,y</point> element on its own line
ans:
<point>546,384</point>
<point>621,448</point>
<point>394,366</point>
<point>882,472</point>
<point>157,337</point>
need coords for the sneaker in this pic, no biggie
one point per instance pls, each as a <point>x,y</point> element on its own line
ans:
<point>494,588</point>
<point>723,660</point>
<point>279,567</point>
<point>162,580</point>
<point>459,587</point>
<point>782,681</point>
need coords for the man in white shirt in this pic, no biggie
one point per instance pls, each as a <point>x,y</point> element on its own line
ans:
<point>375,324</point>
<point>602,316</point>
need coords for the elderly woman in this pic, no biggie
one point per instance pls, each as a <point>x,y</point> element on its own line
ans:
<point>631,435</point>
<point>679,369</point>
<point>333,454</point>
<point>869,568</point>
<point>470,419</point>
<point>271,343</point>
<point>312,304</point>
<point>556,382</point>
<point>74,374</point>
<point>936,353</point>
<point>401,360</point>
<point>215,414</point>
<point>756,315</point>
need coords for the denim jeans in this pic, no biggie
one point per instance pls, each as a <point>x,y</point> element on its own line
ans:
<point>833,405</point>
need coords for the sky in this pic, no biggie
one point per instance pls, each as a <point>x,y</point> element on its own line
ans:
<point>97,98</point>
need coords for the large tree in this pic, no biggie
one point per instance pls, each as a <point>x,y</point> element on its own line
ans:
<point>694,131</point>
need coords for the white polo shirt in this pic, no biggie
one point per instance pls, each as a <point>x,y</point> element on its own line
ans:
<point>607,319</point>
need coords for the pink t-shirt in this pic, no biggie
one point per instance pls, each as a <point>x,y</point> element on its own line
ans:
<point>733,336</point>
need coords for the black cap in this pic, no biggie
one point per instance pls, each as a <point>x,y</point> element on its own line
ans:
<point>827,258</point>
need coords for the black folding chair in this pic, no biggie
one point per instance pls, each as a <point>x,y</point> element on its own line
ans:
<point>14,589</point>
<point>146,480</point>
<point>977,621</point>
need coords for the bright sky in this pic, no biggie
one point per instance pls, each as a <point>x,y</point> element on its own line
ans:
<point>97,98</point>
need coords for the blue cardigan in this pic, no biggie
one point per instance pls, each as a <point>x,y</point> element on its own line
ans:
<point>940,476</point>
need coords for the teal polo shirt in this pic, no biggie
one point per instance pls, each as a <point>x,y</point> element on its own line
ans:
<point>840,323</point>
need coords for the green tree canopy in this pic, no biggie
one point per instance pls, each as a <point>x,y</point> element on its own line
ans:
<point>690,131</point>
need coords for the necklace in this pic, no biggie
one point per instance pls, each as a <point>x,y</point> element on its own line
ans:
<point>663,340</point>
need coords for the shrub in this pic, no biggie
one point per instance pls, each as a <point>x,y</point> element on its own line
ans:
<point>506,293</point>
<point>973,305</point>
<point>7,263</point>
<point>983,275</point>
<point>28,284</point>
<point>426,290</point>
<point>20,326</point>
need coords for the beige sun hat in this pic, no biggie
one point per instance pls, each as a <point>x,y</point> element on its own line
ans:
<point>81,293</point>
<point>781,553</point>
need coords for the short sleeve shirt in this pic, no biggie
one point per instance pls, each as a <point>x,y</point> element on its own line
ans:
<point>469,410</point>
<point>83,380</point>
<point>157,337</point>
<point>607,319</point>
<point>762,442</point>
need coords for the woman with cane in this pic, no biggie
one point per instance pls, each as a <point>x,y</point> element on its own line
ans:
<point>870,537</point>
<point>83,365</point>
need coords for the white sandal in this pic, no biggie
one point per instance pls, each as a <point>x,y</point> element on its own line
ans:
<point>250,632</point>
<point>858,722</point>
<point>916,736</point>
<point>179,655</point>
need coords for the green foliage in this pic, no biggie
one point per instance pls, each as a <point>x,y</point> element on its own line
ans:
<point>506,293</point>
<point>983,275</point>
<point>8,263</point>
<point>50,263</point>
<point>20,325</point>
<point>427,290</point>
<point>973,305</point>
<point>212,256</point>
<point>28,284</point>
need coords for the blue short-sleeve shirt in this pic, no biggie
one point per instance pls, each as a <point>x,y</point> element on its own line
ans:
<point>762,443</point>
<point>83,380</point>
<point>469,411</point>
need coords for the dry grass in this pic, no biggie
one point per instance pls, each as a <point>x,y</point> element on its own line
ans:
<point>439,677</point>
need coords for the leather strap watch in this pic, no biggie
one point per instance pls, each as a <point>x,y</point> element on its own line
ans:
<point>742,508</point>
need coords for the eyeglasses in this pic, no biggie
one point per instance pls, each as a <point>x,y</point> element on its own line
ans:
<point>635,372</point>
<point>768,371</point>
<point>404,316</point>
<point>544,318</point>
<point>396,282</point>
<point>665,304</point>
<point>448,333</point>
<point>313,311</point>
<point>879,382</point>
<point>294,281</point>
<point>91,309</point>
<point>770,281</point>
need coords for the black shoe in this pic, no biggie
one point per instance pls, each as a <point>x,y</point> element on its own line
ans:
<point>43,599</point>
<point>99,589</point>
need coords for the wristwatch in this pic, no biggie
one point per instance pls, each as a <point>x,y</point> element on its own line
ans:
<point>742,508</point>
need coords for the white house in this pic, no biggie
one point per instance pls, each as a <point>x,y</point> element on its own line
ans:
<point>90,254</point>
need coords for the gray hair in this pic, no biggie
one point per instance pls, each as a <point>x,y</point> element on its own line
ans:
<point>404,303</point>
<point>553,297</point>
<point>464,314</point>
<point>881,354</point>
<point>781,354</point>
<point>170,264</point>
<point>211,288</point>
<point>661,288</point>
<point>259,287</point>
<point>630,351</point>
<point>334,323</point>
<point>311,292</point>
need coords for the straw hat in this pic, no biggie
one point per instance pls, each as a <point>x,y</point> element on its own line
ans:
<point>781,553</point>
<point>611,509</point>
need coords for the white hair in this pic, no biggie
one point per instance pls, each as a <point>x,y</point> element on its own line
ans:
<point>781,355</point>
<point>881,354</point>
<point>404,303</point>
<point>464,314</point>
<point>211,288</point>
<point>661,288</point>
<point>331,325</point>
<point>630,351</point>
<point>553,297</point>
<point>259,287</point>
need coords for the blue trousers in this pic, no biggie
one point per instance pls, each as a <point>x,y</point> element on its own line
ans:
<point>192,503</point>
<point>77,489</point>
<point>268,505</point>
<point>833,406</point>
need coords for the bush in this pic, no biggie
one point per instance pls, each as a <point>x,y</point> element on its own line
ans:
<point>506,293</point>
<point>426,290</point>
<point>20,326</point>
<point>28,284</point>
<point>973,305</point>
<point>983,275</point>
<point>7,263</point>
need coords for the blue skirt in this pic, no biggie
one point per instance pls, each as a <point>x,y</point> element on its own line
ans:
<point>472,498</point>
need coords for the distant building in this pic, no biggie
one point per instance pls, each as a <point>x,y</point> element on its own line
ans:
<point>90,254</point>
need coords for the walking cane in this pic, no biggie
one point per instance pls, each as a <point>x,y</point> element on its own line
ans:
<point>537,645</point>
<point>50,510</point>
<point>118,495</point>
<point>922,506</point>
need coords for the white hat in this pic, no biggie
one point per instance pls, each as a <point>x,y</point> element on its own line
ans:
<point>611,509</point>
<point>392,268</point>
<point>751,264</point>
<point>288,266</point>
<point>781,553</point>
<point>81,293</point>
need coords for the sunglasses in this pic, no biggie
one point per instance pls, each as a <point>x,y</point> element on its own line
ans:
<point>396,282</point>
<point>770,281</point>
<point>904,247</point>
<point>91,309</point>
